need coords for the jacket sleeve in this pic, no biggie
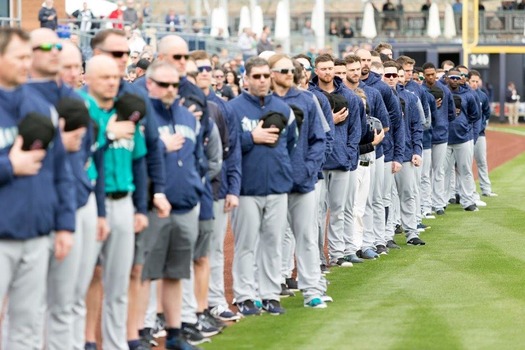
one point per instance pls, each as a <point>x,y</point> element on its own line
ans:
<point>140,179</point>
<point>214,152</point>
<point>155,156</point>
<point>380,111</point>
<point>426,108</point>
<point>416,131</point>
<point>292,132</point>
<point>451,107</point>
<point>326,113</point>
<point>65,188</point>
<point>473,109</point>
<point>485,110</point>
<point>397,127</point>
<point>233,162</point>
<point>354,124</point>
<point>100,185</point>
<point>316,141</point>
<point>42,15</point>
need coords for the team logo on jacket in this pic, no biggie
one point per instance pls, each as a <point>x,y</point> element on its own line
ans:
<point>248,124</point>
<point>7,136</point>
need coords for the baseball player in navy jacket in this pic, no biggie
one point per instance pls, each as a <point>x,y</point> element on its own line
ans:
<point>343,160</point>
<point>37,196</point>
<point>266,180</point>
<point>440,130</point>
<point>306,161</point>
<point>460,150</point>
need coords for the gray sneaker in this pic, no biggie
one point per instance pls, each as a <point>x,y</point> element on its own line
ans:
<point>369,254</point>
<point>354,259</point>
<point>392,245</point>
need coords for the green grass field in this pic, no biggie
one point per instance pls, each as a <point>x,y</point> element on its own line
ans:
<point>464,290</point>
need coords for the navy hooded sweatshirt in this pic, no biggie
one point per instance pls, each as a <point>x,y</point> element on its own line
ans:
<point>413,127</point>
<point>265,170</point>
<point>461,128</point>
<point>184,186</point>
<point>308,154</point>
<point>377,110</point>
<point>427,133</point>
<point>445,114</point>
<point>326,111</point>
<point>485,111</point>
<point>347,134</point>
<point>33,206</point>
<point>394,141</point>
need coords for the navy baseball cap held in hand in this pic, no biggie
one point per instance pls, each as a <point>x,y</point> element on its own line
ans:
<point>299,115</point>
<point>276,120</point>
<point>37,131</point>
<point>130,107</point>
<point>437,92</point>
<point>74,112</point>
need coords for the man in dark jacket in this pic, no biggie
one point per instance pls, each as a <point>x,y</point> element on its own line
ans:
<point>48,16</point>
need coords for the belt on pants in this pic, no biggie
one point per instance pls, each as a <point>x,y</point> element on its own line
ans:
<point>364,162</point>
<point>116,195</point>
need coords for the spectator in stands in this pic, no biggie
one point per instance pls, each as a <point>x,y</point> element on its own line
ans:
<point>221,89</point>
<point>265,43</point>
<point>388,6</point>
<point>400,7</point>
<point>508,5</point>
<point>389,13</point>
<point>136,42</point>
<point>308,35</point>
<point>333,30</point>
<point>147,55</point>
<point>457,7</point>
<point>134,57</point>
<point>481,7</point>
<point>232,80</point>
<point>117,16</point>
<point>521,5</point>
<point>173,21</point>
<point>512,100</point>
<point>220,34</point>
<point>146,12</point>
<point>247,44</point>
<point>48,16</point>
<point>130,15</point>
<point>426,6</point>
<point>347,32</point>
<point>84,22</point>
<point>215,62</point>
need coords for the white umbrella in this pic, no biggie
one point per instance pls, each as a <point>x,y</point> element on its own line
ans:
<point>434,27</point>
<point>100,8</point>
<point>219,21</point>
<point>318,16</point>
<point>257,20</point>
<point>449,27</point>
<point>282,24</point>
<point>368,29</point>
<point>244,21</point>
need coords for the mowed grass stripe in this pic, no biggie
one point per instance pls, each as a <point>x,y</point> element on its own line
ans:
<point>463,290</point>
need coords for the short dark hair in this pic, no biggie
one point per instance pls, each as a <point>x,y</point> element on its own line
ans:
<point>349,59</point>
<point>7,34</point>
<point>381,46</point>
<point>102,35</point>
<point>199,55</point>
<point>339,62</point>
<point>475,73</point>
<point>447,62</point>
<point>389,64</point>
<point>402,60</point>
<point>325,57</point>
<point>428,65</point>
<point>255,61</point>
<point>460,66</point>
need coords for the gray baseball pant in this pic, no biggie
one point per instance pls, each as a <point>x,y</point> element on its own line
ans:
<point>358,189</point>
<point>151,312</point>
<point>62,280</point>
<point>418,173</point>
<point>265,218</point>
<point>480,155</point>
<point>189,302</point>
<point>374,216</point>
<point>117,257</point>
<point>320,195</point>
<point>439,193</point>
<point>336,184</point>
<point>216,294</point>
<point>23,280</point>
<point>406,185</point>
<point>426,185</point>
<point>288,249</point>
<point>387,200</point>
<point>301,216</point>
<point>462,155</point>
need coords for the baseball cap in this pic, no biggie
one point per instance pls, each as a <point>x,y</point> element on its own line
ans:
<point>37,131</point>
<point>299,115</point>
<point>130,107</point>
<point>74,112</point>
<point>437,92</point>
<point>375,123</point>
<point>274,119</point>
<point>143,64</point>
<point>457,101</point>
<point>337,102</point>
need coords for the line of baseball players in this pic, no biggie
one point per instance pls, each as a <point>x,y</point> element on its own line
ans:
<point>135,182</point>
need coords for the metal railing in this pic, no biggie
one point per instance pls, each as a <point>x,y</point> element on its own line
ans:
<point>9,22</point>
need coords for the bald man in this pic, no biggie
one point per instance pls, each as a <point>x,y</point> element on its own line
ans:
<point>71,65</point>
<point>122,140</point>
<point>62,276</point>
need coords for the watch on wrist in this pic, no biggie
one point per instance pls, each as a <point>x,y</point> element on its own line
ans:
<point>111,136</point>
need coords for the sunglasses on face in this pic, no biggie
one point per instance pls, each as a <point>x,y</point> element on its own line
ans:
<point>454,77</point>
<point>465,75</point>
<point>259,76</point>
<point>46,47</point>
<point>219,76</point>
<point>390,75</point>
<point>116,54</point>
<point>204,68</point>
<point>421,78</point>
<point>284,70</point>
<point>179,57</point>
<point>166,85</point>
